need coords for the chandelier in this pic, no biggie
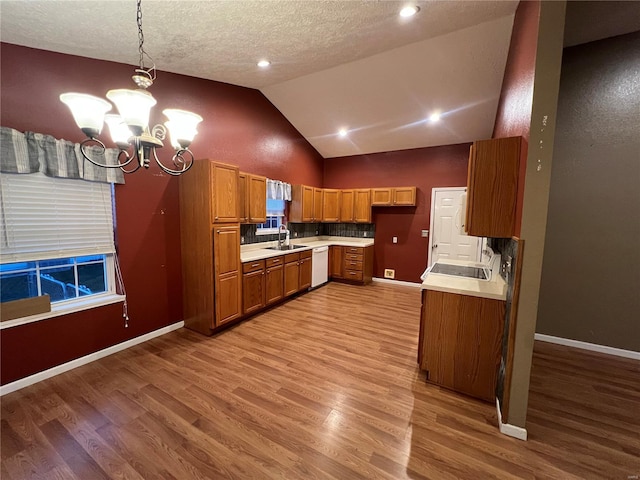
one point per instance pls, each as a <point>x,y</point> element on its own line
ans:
<point>130,129</point>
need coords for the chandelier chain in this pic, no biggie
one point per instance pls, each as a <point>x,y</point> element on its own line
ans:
<point>140,34</point>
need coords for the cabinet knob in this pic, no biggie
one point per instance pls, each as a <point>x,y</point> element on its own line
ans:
<point>263,273</point>
<point>218,232</point>
<point>216,218</point>
<point>268,271</point>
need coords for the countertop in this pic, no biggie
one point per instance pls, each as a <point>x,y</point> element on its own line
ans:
<point>260,251</point>
<point>496,288</point>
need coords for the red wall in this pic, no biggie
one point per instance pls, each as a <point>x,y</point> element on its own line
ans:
<point>516,98</point>
<point>425,168</point>
<point>240,127</point>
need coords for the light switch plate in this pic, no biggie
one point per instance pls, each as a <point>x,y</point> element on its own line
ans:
<point>394,239</point>
<point>425,233</point>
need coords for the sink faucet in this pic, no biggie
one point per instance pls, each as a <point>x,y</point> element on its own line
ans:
<point>281,229</point>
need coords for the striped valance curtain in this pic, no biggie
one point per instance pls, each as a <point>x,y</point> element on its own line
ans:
<point>30,152</point>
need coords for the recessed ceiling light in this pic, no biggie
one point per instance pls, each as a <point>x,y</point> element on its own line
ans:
<point>435,117</point>
<point>264,63</point>
<point>409,11</point>
<point>343,132</point>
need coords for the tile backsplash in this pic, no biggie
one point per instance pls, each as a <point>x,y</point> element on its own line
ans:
<point>304,230</point>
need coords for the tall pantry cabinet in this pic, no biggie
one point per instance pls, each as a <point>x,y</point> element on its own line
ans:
<point>210,240</point>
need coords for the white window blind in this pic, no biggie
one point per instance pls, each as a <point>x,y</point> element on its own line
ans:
<point>46,218</point>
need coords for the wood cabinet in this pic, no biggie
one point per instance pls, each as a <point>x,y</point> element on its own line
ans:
<point>227,280</point>
<point>461,342</point>
<point>211,271</point>
<point>224,192</point>
<point>330,205</point>
<point>318,195</point>
<point>492,187</point>
<point>354,264</point>
<point>243,202</point>
<point>346,205</point>
<point>253,286</point>
<point>305,270</point>
<point>291,273</point>
<point>393,197</point>
<point>301,209</point>
<point>257,199</point>
<point>362,205</point>
<point>336,261</point>
<point>274,280</point>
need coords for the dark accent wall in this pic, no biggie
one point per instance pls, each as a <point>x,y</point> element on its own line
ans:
<point>516,97</point>
<point>240,127</point>
<point>424,168</point>
<point>590,288</point>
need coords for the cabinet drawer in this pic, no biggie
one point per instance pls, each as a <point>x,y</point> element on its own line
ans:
<point>353,265</point>
<point>291,257</point>
<point>306,254</point>
<point>252,266</point>
<point>353,256</point>
<point>272,262</point>
<point>359,250</point>
<point>353,275</point>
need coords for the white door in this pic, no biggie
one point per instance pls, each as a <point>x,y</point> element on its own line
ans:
<point>447,239</point>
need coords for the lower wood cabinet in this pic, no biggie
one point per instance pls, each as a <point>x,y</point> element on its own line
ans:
<point>253,286</point>
<point>336,261</point>
<point>291,273</point>
<point>274,283</point>
<point>461,342</point>
<point>227,276</point>
<point>305,271</point>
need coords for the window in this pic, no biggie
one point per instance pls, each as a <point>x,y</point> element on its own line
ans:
<point>275,216</point>
<point>56,238</point>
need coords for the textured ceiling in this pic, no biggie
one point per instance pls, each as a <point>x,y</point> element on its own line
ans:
<point>334,63</point>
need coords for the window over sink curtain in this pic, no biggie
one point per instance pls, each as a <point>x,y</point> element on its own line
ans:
<point>31,152</point>
<point>277,190</point>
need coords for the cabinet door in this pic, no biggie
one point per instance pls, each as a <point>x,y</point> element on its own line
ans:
<point>291,278</point>
<point>331,205</point>
<point>404,196</point>
<point>462,340</point>
<point>253,291</point>
<point>336,262</point>
<point>227,277</point>
<point>224,183</point>
<point>362,209</point>
<point>346,205</point>
<point>307,204</point>
<point>318,194</point>
<point>305,274</point>
<point>243,198</point>
<point>492,187</point>
<point>381,196</point>
<point>274,284</point>
<point>257,199</point>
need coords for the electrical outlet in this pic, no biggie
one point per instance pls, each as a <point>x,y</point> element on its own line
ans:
<point>425,233</point>
<point>389,273</point>
<point>394,239</point>
<point>241,240</point>
<point>364,234</point>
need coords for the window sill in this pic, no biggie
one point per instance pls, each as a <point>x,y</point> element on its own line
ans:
<point>65,309</point>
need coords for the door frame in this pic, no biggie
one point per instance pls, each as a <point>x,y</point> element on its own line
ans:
<point>432,215</point>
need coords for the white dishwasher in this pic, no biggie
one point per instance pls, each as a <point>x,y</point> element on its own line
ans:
<point>319,266</point>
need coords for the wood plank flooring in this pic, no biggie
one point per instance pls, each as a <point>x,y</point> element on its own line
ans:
<point>325,386</point>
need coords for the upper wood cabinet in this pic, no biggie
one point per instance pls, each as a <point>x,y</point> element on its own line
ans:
<point>393,196</point>
<point>492,187</point>
<point>301,209</point>
<point>243,201</point>
<point>224,193</point>
<point>330,205</point>
<point>362,205</point>
<point>257,198</point>
<point>346,205</point>
<point>318,195</point>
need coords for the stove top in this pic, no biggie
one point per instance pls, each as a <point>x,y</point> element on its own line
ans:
<point>460,271</point>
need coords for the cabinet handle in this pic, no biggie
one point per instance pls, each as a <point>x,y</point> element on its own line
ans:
<point>255,265</point>
<point>268,271</point>
<point>263,273</point>
<point>298,263</point>
<point>216,218</point>
<point>218,232</point>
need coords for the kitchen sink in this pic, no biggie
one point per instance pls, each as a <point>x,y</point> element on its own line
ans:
<point>287,247</point>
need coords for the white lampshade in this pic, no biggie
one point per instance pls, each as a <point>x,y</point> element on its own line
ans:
<point>120,132</point>
<point>134,107</point>
<point>88,111</point>
<point>182,126</point>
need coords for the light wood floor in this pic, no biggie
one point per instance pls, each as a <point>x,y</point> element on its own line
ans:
<point>322,387</point>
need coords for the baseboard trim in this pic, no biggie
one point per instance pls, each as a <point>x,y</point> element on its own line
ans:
<point>397,282</point>
<point>510,430</point>
<point>594,347</point>
<point>78,362</point>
